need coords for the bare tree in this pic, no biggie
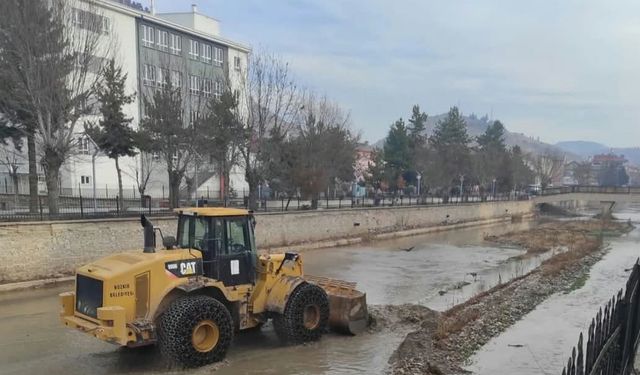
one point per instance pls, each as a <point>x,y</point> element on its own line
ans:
<point>11,158</point>
<point>547,166</point>
<point>324,148</point>
<point>49,51</point>
<point>269,104</point>
<point>146,166</point>
<point>583,173</point>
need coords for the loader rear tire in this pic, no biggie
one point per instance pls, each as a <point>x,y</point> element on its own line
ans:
<point>195,331</point>
<point>305,316</point>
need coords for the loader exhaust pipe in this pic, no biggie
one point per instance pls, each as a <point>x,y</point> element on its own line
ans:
<point>149,235</point>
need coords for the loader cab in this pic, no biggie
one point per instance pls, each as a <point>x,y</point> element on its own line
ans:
<point>226,239</point>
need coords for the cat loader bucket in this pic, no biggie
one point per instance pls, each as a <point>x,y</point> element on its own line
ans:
<point>347,305</point>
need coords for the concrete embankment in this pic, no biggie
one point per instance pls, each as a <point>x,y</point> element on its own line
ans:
<point>44,250</point>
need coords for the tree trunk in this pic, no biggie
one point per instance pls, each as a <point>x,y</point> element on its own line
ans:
<point>53,188</point>
<point>174,189</point>
<point>252,181</point>
<point>120,197</point>
<point>14,179</point>
<point>33,173</point>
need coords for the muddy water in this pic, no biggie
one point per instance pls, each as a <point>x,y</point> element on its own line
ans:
<point>541,342</point>
<point>32,341</point>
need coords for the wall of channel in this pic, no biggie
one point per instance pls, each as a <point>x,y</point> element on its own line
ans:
<point>41,250</point>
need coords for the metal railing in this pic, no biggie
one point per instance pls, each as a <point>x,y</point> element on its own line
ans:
<point>16,207</point>
<point>591,189</point>
<point>612,337</point>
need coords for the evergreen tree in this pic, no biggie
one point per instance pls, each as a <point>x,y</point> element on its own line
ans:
<point>492,159</point>
<point>417,128</point>
<point>163,132</point>
<point>220,134</point>
<point>113,133</point>
<point>397,154</point>
<point>450,147</point>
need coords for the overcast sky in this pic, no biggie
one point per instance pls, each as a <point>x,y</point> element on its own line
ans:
<point>558,70</point>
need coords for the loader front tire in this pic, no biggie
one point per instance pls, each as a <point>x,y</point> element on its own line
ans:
<point>195,331</point>
<point>305,316</point>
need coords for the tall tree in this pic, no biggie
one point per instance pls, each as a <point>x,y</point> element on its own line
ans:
<point>547,166</point>
<point>492,158</point>
<point>418,146</point>
<point>522,174</point>
<point>583,172</point>
<point>221,134</point>
<point>270,101</point>
<point>163,131</point>
<point>451,153</point>
<point>113,133</point>
<point>417,128</point>
<point>397,152</point>
<point>318,166</point>
<point>48,58</point>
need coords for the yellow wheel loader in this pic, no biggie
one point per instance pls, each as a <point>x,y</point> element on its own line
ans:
<point>191,297</point>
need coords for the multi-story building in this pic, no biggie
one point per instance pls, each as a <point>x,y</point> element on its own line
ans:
<point>153,49</point>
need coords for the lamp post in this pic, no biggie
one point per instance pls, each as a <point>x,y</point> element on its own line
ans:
<point>493,189</point>
<point>93,171</point>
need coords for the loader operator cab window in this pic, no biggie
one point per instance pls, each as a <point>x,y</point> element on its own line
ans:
<point>227,246</point>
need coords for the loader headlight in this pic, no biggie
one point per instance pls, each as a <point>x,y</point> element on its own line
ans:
<point>88,295</point>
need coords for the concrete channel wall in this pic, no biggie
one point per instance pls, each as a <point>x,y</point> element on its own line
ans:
<point>41,250</point>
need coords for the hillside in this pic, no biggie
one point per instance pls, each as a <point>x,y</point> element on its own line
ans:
<point>586,149</point>
<point>477,126</point>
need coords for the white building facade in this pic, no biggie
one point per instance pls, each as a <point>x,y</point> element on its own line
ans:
<point>147,45</point>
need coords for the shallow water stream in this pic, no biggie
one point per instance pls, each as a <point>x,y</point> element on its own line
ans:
<point>34,342</point>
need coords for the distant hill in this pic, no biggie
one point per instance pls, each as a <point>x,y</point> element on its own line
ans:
<point>583,148</point>
<point>587,149</point>
<point>477,126</point>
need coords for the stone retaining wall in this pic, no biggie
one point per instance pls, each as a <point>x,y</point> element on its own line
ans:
<point>52,249</point>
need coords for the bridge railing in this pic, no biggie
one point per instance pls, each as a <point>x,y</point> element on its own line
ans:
<point>613,335</point>
<point>591,189</point>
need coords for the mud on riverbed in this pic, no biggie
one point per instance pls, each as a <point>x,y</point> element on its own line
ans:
<point>442,343</point>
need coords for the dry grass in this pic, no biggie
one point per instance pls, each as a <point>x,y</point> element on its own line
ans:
<point>456,322</point>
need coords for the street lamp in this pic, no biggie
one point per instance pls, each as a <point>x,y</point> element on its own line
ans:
<point>493,189</point>
<point>93,171</point>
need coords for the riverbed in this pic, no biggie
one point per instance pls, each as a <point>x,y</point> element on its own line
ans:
<point>431,270</point>
<point>541,342</point>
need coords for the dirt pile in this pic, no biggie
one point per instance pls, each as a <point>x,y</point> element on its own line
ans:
<point>460,331</point>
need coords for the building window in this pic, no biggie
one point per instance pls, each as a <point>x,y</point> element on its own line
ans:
<point>194,85</point>
<point>106,25</point>
<point>149,74</point>
<point>236,62</point>
<point>176,78</point>
<point>206,87</point>
<point>83,145</point>
<point>163,77</point>
<point>90,21</point>
<point>163,40</point>
<point>218,56</point>
<point>193,49</point>
<point>194,117</point>
<point>176,44</point>
<point>206,53</point>
<point>85,180</point>
<point>218,89</point>
<point>147,36</point>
